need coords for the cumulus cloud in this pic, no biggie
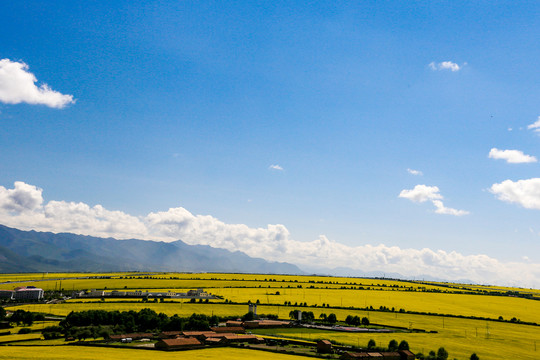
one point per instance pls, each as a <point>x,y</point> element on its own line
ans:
<point>414,172</point>
<point>511,156</point>
<point>535,126</point>
<point>275,167</point>
<point>423,193</point>
<point>522,192</point>
<point>21,198</point>
<point>441,209</point>
<point>273,242</point>
<point>445,65</point>
<point>18,85</point>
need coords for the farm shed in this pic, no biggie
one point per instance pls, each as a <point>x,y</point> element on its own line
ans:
<point>229,329</point>
<point>324,346</point>
<point>235,338</point>
<point>170,334</point>
<point>234,323</point>
<point>178,344</point>
<point>201,335</point>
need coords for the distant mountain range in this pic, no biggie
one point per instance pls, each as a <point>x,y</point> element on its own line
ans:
<point>32,251</point>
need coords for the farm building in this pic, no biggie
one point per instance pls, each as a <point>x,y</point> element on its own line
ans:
<point>170,334</point>
<point>394,355</point>
<point>134,336</point>
<point>178,344</point>
<point>229,329</point>
<point>324,347</point>
<point>234,323</point>
<point>254,324</point>
<point>201,335</point>
<point>236,338</point>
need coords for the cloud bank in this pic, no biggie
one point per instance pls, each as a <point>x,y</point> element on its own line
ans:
<point>24,207</point>
<point>18,85</point>
<point>511,156</point>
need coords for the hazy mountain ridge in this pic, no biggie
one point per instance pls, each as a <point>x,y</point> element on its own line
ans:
<point>28,251</point>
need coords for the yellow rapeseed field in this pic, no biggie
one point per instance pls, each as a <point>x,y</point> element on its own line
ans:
<point>461,337</point>
<point>92,353</point>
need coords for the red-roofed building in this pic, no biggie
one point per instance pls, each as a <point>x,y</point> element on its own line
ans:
<point>324,347</point>
<point>229,329</point>
<point>178,344</point>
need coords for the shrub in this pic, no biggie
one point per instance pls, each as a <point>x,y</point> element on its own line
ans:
<point>25,331</point>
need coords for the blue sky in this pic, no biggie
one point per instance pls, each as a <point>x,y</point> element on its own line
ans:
<point>188,105</point>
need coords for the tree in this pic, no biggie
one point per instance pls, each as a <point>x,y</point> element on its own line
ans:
<point>371,344</point>
<point>248,316</point>
<point>392,345</point>
<point>403,345</point>
<point>21,316</point>
<point>104,333</point>
<point>365,321</point>
<point>474,357</point>
<point>323,317</point>
<point>332,319</point>
<point>309,316</point>
<point>293,314</point>
<point>2,313</point>
<point>83,334</point>
<point>442,354</point>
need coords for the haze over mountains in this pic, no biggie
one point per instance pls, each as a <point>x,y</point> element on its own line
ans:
<point>31,251</point>
<point>35,251</point>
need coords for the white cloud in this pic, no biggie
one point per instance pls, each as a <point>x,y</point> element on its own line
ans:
<point>275,167</point>
<point>523,192</point>
<point>22,198</point>
<point>17,85</point>
<point>511,156</point>
<point>423,193</point>
<point>441,209</point>
<point>415,172</point>
<point>445,65</point>
<point>273,242</point>
<point>535,126</point>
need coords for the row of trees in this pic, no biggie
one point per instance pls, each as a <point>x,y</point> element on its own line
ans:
<point>146,320</point>
<point>355,320</point>
<point>23,317</point>
<point>392,345</point>
<point>308,316</point>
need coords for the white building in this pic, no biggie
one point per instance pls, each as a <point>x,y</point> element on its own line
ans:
<point>28,293</point>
